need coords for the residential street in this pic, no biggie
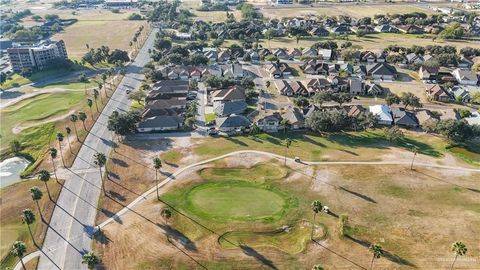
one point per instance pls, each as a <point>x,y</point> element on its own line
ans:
<point>70,233</point>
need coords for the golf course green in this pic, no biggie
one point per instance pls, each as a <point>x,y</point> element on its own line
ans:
<point>235,200</point>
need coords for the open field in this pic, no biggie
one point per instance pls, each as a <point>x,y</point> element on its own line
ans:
<point>373,42</point>
<point>355,11</point>
<point>97,28</point>
<point>16,198</point>
<point>390,205</point>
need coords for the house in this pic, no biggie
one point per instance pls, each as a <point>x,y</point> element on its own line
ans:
<point>425,117</point>
<point>214,69</point>
<point>326,54</point>
<point>381,71</point>
<point>319,32</point>
<point>465,77</point>
<point>383,113</point>
<point>283,87</point>
<point>401,117</point>
<point>171,88</point>
<point>386,28</point>
<point>233,70</point>
<point>211,55</point>
<point>410,29</point>
<point>341,30</point>
<point>367,29</point>
<point>355,86</point>
<point>281,54</point>
<point>449,114</point>
<point>160,123</point>
<point>233,93</point>
<point>298,88</point>
<point>224,56</point>
<point>460,93</point>
<point>473,119</point>
<point>373,89</point>
<point>230,107</point>
<point>254,57</point>
<point>465,63</point>
<point>178,103</point>
<point>295,53</point>
<point>428,73</point>
<point>368,56</point>
<point>310,52</point>
<point>437,93</point>
<point>294,117</point>
<point>413,59</point>
<point>355,110</point>
<point>278,69</point>
<point>232,123</point>
<point>270,122</point>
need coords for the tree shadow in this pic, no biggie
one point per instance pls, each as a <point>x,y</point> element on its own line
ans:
<point>259,257</point>
<point>339,255</point>
<point>178,237</point>
<point>362,196</point>
<point>102,238</point>
<point>112,175</point>
<point>110,214</point>
<point>117,196</point>
<point>171,164</point>
<point>236,141</point>
<point>350,152</point>
<point>388,255</point>
<point>119,162</point>
<point>444,181</point>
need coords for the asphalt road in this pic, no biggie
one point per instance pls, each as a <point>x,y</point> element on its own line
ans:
<point>69,235</point>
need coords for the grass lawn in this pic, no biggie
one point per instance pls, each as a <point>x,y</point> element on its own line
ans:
<point>210,117</point>
<point>171,157</point>
<point>214,16</point>
<point>15,198</point>
<point>18,80</point>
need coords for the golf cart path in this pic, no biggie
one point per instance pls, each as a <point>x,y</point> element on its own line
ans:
<point>142,198</point>
<point>173,176</point>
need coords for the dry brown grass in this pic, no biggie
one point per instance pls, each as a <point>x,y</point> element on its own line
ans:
<point>14,199</point>
<point>414,215</point>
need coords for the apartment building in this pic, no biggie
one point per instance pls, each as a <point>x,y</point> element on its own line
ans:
<point>36,57</point>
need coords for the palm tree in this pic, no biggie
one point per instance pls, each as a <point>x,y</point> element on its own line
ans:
<point>60,139</point>
<point>100,160</point>
<point>53,155</point>
<point>95,97</point>
<point>377,251</point>
<point>104,79</point>
<point>73,119</point>
<point>316,208</point>
<point>82,116</point>
<point>317,267</point>
<point>18,250</point>
<point>44,176</point>
<point>288,142</point>
<point>28,217</point>
<point>69,131</point>
<point>90,259</point>
<point>460,249</point>
<point>37,195</point>
<point>90,104</point>
<point>166,214</point>
<point>157,164</point>
<point>284,123</point>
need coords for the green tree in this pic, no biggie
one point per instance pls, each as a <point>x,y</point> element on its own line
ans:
<point>377,251</point>
<point>82,117</point>
<point>15,147</point>
<point>44,176</point>
<point>138,96</point>
<point>391,98</point>
<point>157,164</point>
<point>28,217</point>
<point>74,119</point>
<point>166,214</point>
<point>285,124</point>
<point>459,249</point>
<point>60,140</point>
<point>410,100</point>
<point>91,260</point>
<point>316,208</point>
<point>100,161</point>
<point>456,131</point>
<point>393,134</point>
<point>301,102</point>
<point>18,250</point>
<point>90,104</point>
<point>53,154</point>
<point>317,267</point>
<point>343,225</point>
<point>37,195</point>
